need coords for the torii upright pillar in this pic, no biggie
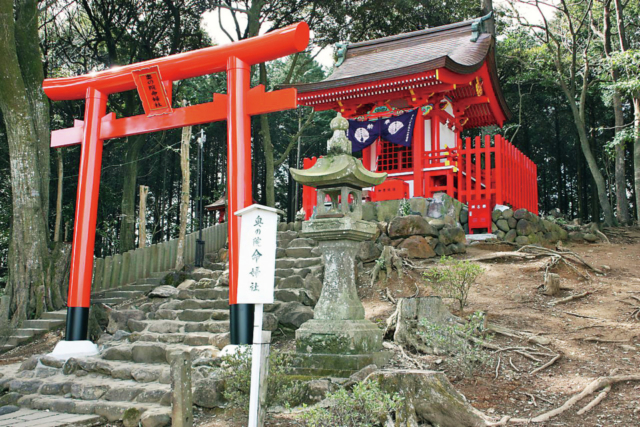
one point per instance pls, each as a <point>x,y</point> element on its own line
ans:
<point>153,79</point>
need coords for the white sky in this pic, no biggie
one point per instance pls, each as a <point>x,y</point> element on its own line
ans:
<point>211,24</point>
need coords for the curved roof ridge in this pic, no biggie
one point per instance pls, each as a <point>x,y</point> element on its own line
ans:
<point>410,34</point>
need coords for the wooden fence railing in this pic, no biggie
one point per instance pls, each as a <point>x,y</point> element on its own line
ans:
<point>496,171</point>
<point>121,269</point>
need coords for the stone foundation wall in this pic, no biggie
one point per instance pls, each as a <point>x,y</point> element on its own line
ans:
<point>524,228</point>
<point>437,207</point>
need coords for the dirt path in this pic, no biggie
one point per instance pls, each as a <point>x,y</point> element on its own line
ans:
<point>509,293</point>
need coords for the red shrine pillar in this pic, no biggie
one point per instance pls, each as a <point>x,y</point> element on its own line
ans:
<point>239,188</point>
<point>84,230</point>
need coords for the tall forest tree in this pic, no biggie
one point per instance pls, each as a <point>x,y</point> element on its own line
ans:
<point>123,32</point>
<point>567,40</point>
<point>37,266</point>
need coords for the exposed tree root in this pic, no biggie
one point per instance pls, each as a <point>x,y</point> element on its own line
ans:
<point>570,298</point>
<point>566,255</point>
<point>389,261</point>
<point>600,383</point>
<point>595,401</point>
<point>505,255</point>
<point>546,365</point>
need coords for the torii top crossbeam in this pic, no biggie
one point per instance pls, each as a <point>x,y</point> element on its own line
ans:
<point>153,79</point>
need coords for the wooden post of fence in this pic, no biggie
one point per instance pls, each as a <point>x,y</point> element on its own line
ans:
<point>140,264</point>
<point>478,167</point>
<point>97,274</point>
<point>154,258</point>
<point>161,255</point>
<point>499,176</point>
<point>106,276</point>
<point>126,265</point>
<point>142,227</point>
<point>147,261</point>
<point>488,187</point>
<point>115,272</point>
<point>133,259</point>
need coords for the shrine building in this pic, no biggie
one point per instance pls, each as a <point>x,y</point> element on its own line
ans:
<point>434,83</point>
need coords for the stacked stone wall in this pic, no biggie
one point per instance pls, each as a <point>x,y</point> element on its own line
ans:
<point>524,228</point>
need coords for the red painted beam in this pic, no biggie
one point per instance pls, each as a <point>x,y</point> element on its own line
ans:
<point>267,47</point>
<point>258,102</point>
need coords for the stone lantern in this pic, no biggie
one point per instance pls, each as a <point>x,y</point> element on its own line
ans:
<point>338,340</point>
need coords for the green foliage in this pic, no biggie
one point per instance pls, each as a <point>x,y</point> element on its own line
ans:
<point>282,388</point>
<point>365,406</point>
<point>453,279</point>
<point>404,208</point>
<point>459,342</point>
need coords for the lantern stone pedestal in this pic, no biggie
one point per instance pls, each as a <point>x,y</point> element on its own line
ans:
<point>338,341</point>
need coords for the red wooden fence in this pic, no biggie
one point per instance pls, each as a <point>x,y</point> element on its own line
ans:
<point>497,171</point>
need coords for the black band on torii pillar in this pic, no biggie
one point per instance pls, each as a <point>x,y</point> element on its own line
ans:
<point>241,323</point>
<point>77,323</point>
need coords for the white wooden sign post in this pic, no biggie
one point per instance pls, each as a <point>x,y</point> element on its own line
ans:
<point>256,279</point>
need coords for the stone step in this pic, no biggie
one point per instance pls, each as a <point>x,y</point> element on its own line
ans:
<point>27,332</point>
<point>302,242</point>
<point>47,324</point>
<point>55,315</point>
<point>298,262</point>
<point>108,301</point>
<point>145,287</point>
<point>316,270</point>
<point>176,326</point>
<point>16,341</point>
<point>94,388</point>
<point>122,294</point>
<point>302,252</point>
<point>190,315</point>
<point>116,369</point>
<point>151,414</point>
<point>218,266</point>
<point>195,304</point>
<point>298,295</point>
<point>205,294</point>
<point>153,280</point>
<point>218,340</point>
<point>155,352</point>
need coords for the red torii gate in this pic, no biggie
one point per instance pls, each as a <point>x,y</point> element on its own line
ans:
<point>154,80</point>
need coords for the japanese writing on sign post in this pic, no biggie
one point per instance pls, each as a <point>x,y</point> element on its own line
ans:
<point>151,91</point>
<point>257,254</point>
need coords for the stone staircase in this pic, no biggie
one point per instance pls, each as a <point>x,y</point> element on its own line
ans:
<point>32,329</point>
<point>129,292</point>
<point>132,372</point>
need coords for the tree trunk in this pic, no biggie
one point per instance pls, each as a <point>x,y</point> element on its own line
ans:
<point>142,225</point>
<point>184,199</point>
<point>57,232</point>
<point>267,146</point>
<point>592,164</point>
<point>636,153</point>
<point>622,202</point>
<point>35,273</point>
<point>129,187</point>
